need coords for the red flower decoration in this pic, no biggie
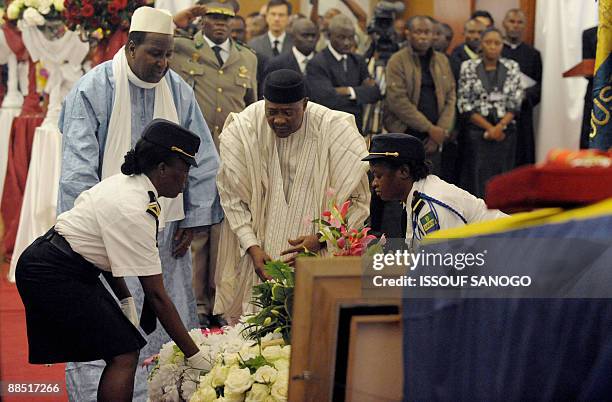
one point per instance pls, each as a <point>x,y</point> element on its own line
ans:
<point>87,10</point>
<point>121,4</point>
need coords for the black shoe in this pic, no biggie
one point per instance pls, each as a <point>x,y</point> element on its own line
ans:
<point>204,321</point>
<point>217,320</point>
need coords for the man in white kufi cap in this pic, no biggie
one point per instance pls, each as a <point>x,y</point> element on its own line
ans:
<point>102,118</point>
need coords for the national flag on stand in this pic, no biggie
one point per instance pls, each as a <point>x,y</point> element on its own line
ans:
<point>601,119</point>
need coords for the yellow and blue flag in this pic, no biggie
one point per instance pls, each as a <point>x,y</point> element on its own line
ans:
<point>601,121</point>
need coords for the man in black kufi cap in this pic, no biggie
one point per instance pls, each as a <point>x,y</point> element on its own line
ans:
<point>280,158</point>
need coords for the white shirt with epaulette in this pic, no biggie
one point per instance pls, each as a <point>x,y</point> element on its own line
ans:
<point>110,226</point>
<point>458,205</point>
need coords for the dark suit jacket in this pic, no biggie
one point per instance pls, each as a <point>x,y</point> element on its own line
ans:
<point>284,60</point>
<point>458,56</point>
<point>261,45</point>
<point>324,73</point>
<point>530,62</point>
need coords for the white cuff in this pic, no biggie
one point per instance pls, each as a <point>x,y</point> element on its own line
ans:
<point>353,95</point>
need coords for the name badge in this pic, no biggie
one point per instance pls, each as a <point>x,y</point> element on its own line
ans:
<point>496,96</point>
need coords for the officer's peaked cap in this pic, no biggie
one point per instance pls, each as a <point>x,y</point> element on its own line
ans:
<point>173,137</point>
<point>397,147</point>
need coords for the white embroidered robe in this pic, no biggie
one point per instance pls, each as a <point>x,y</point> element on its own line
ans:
<point>266,205</point>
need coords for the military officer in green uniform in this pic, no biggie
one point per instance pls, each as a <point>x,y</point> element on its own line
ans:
<point>223,75</point>
<point>222,72</point>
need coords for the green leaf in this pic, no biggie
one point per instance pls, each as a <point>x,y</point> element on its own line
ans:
<point>254,363</point>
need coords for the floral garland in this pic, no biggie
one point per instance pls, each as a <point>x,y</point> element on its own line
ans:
<point>100,18</point>
<point>34,12</point>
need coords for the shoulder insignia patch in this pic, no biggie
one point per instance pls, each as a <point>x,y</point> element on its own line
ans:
<point>154,209</point>
<point>429,222</point>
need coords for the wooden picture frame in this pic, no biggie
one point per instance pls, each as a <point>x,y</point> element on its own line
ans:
<point>324,287</point>
<point>375,350</point>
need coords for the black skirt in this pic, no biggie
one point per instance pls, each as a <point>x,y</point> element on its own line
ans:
<point>70,315</point>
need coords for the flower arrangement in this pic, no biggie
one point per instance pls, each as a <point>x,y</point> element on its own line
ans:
<point>34,12</point>
<point>100,18</point>
<point>274,298</point>
<point>250,361</point>
<point>170,378</point>
<point>341,239</point>
<point>237,368</point>
<point>257,373</point>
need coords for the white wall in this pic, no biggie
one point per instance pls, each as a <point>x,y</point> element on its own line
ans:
<point>558,36</point>
<point>324,5</point>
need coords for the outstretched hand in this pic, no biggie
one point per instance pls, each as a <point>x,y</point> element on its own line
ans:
<point>260,258</point>
<point>300,245</point>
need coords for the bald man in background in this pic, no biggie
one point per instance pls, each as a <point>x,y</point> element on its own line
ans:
<point>338,78</point>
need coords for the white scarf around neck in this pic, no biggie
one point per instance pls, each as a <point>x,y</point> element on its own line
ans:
<point>119,136</point>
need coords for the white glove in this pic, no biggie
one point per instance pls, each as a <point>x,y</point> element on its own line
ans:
<point>199,361</point>
<point>129,310</point>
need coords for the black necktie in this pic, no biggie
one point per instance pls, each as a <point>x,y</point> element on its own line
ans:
<point>217,50</point>
<point>275,51</point>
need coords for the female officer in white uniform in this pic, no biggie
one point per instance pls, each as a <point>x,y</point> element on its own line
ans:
<point>112,230</point>
<point>401,173</point>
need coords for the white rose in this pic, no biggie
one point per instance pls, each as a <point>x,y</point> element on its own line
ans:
<point>272,353</point>
<point>218,375</point>
<point>286,351</point>
<point>12,12</point>
<point>58,5</point>
<point>271,336</point>
<point>281,365</point>
<point>258,393</point>
<point>249,352</point>
<point>238,380</point>
<point>233,397</point>
<point>31,3</point>
<point>234,345</point>
<point>204,394</point>
<point>44,6</point>
<point>231,359</point>
<point>205,380</point>
<point>280,389</point>
<point>265,374</point>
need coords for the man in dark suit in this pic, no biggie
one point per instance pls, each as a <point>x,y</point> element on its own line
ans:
<point>530,62</point>
<point>276,40</point>
<point>305,37</point>
<point>470,48</point>
<point>338,78</point>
